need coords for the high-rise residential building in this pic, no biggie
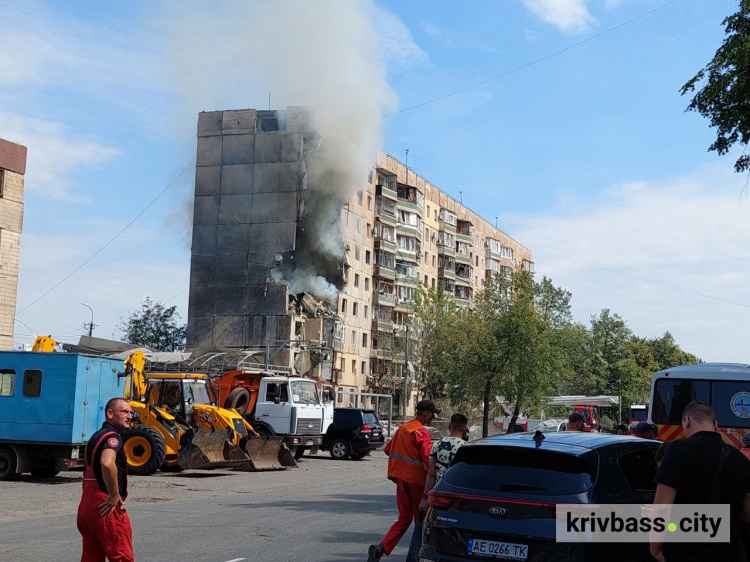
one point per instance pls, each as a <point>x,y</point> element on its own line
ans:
<point>12,170</point>
<point>253,254</point>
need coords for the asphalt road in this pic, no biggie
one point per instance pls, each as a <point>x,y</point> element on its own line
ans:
<point>325,510</point>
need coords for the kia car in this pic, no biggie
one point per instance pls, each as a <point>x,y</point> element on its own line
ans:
<point>497,500</point>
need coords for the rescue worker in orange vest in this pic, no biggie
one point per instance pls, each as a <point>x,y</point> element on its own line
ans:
<point>102,521</point>
<point>408,462</point>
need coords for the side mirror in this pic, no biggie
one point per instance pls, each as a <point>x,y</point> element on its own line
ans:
<point>276,400</point>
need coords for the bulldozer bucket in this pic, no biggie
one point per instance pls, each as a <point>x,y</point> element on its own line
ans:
<point>268,453</point>
<point>207,449</point>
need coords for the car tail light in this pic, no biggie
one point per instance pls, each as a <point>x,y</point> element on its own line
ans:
<point>444,500</point>
<point>365,429</point>
<point>438,500</point>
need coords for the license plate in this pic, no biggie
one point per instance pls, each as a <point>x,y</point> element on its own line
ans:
<point>376,434</point>
<point>309,444</point>
<point>495,549</point>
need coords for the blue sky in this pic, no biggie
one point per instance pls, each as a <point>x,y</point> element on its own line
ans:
<point>587,156</point>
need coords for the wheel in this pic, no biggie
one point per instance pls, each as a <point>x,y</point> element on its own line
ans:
<point>262,430</point>
<point>144,449</point>
<point>44,469</point>
<point>8,463</point>
<point>360,455</point>
<point>340,449</point>
<point>298,452</point>
<point>238,399</point>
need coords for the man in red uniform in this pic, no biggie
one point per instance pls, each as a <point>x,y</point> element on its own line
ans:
<point>408,462</point>
<point>102,521</point>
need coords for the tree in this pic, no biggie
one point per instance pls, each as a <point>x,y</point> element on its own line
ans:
<point>155,327</point>
<point>724,97</point>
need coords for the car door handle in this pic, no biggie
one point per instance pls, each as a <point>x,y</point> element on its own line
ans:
<point>265,415</point>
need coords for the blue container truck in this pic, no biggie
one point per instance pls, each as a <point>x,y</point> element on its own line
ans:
<point>50,405</point>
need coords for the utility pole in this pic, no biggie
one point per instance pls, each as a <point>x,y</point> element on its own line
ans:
<point>90,324</point>
<point>496,221</point>
<point>406,369</point>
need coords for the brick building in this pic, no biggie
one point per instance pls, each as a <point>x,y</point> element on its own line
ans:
<point>12,170</point>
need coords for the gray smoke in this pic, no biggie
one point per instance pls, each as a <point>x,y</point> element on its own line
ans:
<point>324,55</point>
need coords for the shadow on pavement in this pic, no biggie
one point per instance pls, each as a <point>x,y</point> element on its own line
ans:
<point>363,503</point>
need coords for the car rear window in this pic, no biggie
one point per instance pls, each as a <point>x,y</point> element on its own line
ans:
<point>510,469</point>
<point>370,418</point>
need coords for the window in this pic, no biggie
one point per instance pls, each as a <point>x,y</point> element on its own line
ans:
<point>359,225</point>
<point>367,283</point>
<point>7,379</point>
<point>433,261</point>
<point>369,177</point>
<point>275,390</point>
<point>354,308</point>
<point>367,256</point>
<point>343,306</point>
<point>354,337</point>
<point>433,282</point>
<point>428,211</point>
<point>32,383</point>
<point>359,197</point>
<point>365,312</point>
<point>2,183</point>
<point>369,230</point>
<point>356,279</point>
<point>672,395</point>
<point>639,469</point>
<point>364,368</point>
<point>425,280</point>
<point>426,233</point>
<point>369,199</point>
<point>357,252</point>
<point>354,366</point>
<point>364,339</point>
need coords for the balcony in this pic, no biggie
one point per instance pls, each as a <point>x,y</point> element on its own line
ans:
<point>382,325</point>
<point>386,218</point>
<point>408,206</point>
<point>464,259</point>
<point>444,250</point>
<point>381,354</point>
<point>408,230</point>
<point>463,302</point>
<point>446,272</point>
<point>406,280</point>
<point>383,271</point>
<point>399,357</point>
<point>463,281</point>
<point>383,191</point>
<point>464,238</point>
<point>387,300</point>
<point>383,244</point>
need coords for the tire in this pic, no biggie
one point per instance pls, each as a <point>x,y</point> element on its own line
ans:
<point>44,470</point>
<point>262,430</point>
<point>238,399</point>
<point>144,449</point>
<point>298,452</point>
<point>8,464</point>
<point>359,455</point>
<point>340,449</point>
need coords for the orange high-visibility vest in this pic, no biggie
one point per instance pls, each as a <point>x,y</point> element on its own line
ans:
<point>404,457</point>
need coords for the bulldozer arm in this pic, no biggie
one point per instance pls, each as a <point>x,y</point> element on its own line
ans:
<point>267,453</point>
<point>208,449</point>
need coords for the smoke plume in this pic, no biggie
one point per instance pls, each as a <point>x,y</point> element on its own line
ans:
<point>323,55</point>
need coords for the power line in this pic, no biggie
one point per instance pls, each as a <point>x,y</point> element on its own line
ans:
<point>532,63</point>
<point>639,277</point>
<point>115,237</point>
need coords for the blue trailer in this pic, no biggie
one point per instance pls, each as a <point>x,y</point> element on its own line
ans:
<point>50,405</point>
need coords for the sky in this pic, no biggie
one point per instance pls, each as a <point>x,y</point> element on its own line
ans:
<point>560,119</point>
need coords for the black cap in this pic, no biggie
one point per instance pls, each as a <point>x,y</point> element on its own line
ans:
<point>428,406</point>
<point>642,428</point>
<point>575,417</point>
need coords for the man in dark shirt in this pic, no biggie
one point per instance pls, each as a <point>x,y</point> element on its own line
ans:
<point>102,521</point>
<point>688,475</point>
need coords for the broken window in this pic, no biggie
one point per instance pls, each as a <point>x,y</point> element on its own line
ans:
<point>369,230</point>
<point>354,368</point>
<point>269,124</point>
<point>369,201</point>
<point>355,307</point>
<point>364,339</point>
<point>364,368</point>
<point>367,283</point>
<point>356,279</point>
<point>354,337</point>
<point>359,197</point>
<point>343,306</point>
<point>357,251</point>
<point>365,312</point>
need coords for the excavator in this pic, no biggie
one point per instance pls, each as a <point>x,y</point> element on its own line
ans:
<point>177,425</point>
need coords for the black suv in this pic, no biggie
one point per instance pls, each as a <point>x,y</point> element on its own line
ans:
<point>353,433</point>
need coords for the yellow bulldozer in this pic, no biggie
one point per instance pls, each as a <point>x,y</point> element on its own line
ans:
<point>177,426</point>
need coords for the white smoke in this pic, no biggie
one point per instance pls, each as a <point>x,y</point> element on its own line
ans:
<point>324,55</point>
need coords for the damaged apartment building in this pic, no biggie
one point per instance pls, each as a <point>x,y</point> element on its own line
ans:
<point>326,279</point>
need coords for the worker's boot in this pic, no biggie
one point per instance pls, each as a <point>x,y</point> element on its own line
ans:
<point>375,553</point>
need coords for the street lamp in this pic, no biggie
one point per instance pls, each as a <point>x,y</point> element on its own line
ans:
<point>91,324</point>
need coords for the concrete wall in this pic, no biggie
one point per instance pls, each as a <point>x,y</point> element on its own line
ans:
<point>248,186</point>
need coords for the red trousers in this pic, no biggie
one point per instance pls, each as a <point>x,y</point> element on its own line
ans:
<point>109,537</point>
<point>408,498</point>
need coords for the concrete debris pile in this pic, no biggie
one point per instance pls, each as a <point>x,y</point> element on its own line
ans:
<point>304,304</point>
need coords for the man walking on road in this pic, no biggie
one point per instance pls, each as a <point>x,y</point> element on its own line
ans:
<point>702,469</point>
<point>102,521</point>
<point>408,462</point>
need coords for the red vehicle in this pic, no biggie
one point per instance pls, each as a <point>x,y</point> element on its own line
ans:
<point>587,406</point>
<point>638,413</point>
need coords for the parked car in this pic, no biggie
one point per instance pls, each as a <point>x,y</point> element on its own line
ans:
<point>502,491</point>
<point>353,433</point>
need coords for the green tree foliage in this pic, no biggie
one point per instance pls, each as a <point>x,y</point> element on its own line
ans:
<point>155,327</point>
<point>724,95</point>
